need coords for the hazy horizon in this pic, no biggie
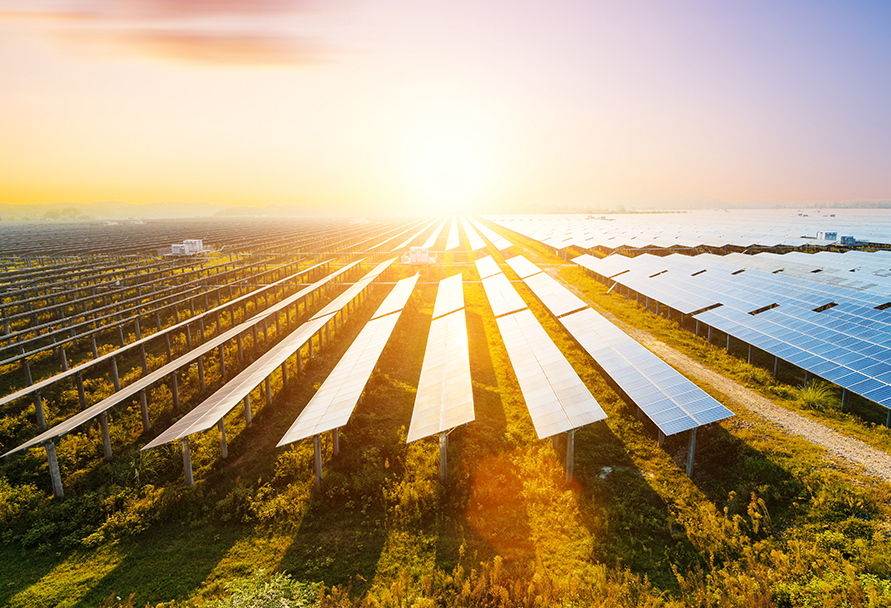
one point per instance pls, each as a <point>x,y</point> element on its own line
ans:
<point>402,107</point>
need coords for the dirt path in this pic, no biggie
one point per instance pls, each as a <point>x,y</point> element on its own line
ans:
<point>875,462</point>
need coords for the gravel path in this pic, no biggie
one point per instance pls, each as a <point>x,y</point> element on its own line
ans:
<point>876,462</point>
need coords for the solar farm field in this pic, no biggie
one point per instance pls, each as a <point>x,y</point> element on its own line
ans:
<point>320,412</point>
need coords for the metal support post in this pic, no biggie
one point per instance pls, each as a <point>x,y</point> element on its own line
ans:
<point>776,368</point>
<point>64,358</point>
<point>55,475</point>
<point>317,453</point>
<point>38,409</point>
<point>106,438</point>
<point>187,462</point>
<point>691,451</point>
<point>222,362</point>
<point>570,455</point>
<point>749,359</point>
<point>247,410</point>
<point>240,349</point>
<point>79,379</point>
<point>224,449</point>
<point>268,390</point>
<point>201,372</point>
<point>335,436</point>
<point>175,389</point>
<point>93,345</point>
<point>114,374</point>
<point>167,343</point>
<point>143,407</point>
<point>443,451</point>
<point>285,374</point>
<point>661,439</point>
<point>144,360</point>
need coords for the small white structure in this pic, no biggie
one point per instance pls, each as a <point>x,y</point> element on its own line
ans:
<point>823,235</point>
<point>847,240</point>
<point>194,245</point>
<point>419,256</point>
<point>188,247</point>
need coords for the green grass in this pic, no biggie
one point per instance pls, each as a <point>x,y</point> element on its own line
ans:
<point>763,521</point>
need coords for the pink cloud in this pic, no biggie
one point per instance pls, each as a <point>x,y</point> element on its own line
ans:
<point>214,31</point>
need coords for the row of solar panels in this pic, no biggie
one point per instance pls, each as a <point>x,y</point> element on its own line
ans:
<point>832,332</point>
<point>666,397</point>
<point>742,228</point>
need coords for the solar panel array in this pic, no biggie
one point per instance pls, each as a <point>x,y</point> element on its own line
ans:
<point>476,241</point>
<point>829,330</point>
<point>503,298</point>
<point>208,413</point>
<point>500,243</point>
<point>666,397</point>
<point>431,240</point>
<point>557,399</point>
<point>690,229</point>
<point>445,394</point>
<point>333,404</point>
<point>131,390</point>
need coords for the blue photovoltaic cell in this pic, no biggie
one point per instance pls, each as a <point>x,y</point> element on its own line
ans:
<point>671,401</point>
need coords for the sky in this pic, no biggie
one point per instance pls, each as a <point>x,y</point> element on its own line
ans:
<point>416,106</point>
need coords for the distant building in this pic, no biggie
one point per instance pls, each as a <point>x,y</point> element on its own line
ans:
<point>188,247</point>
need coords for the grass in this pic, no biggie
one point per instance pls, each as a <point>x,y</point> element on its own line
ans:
<point>763,521</point>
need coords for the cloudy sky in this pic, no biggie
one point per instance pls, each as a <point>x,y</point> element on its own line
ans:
<point>412,105</point>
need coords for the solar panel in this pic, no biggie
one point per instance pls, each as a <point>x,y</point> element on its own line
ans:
<point>557,298</point>
<point>397,298</point>
<point>431,240</point>
<point>668,398</point>
<point>523,267</point>
<point>454,239</point>
<point>207,414</point>
<point>476,242</point>
<point>353,290</point>
<point>449,296</point>
<point>445,394</point>
<point>332,405</point>
<point>487,266</point>
<point>502,296</point>
<point>556,397</point>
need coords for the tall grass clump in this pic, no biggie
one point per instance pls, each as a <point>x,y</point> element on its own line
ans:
<point>816,395</point>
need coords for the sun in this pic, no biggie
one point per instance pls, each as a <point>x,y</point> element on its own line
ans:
<point>449,168</point>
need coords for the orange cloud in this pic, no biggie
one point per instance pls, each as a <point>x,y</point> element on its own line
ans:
<point>213,31</point>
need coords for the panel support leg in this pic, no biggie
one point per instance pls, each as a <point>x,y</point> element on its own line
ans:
<point>691,451</point>
<point>224,449</point>
<point>143,407</point>
<point>317,451</point>
<point>81,394</point>
<point>268,390</point>
<point>443,452</point>
<point>201,373</point>
<point>38,410</point>
<point>174,387</point>
<point>106,437</point>
<point>187,462</point>
<point>570,453</point>
<point>247,411</point>
<point>661,439</point>
<point>55,475</point>
<point>335,436</point>
<point>749,359</point>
